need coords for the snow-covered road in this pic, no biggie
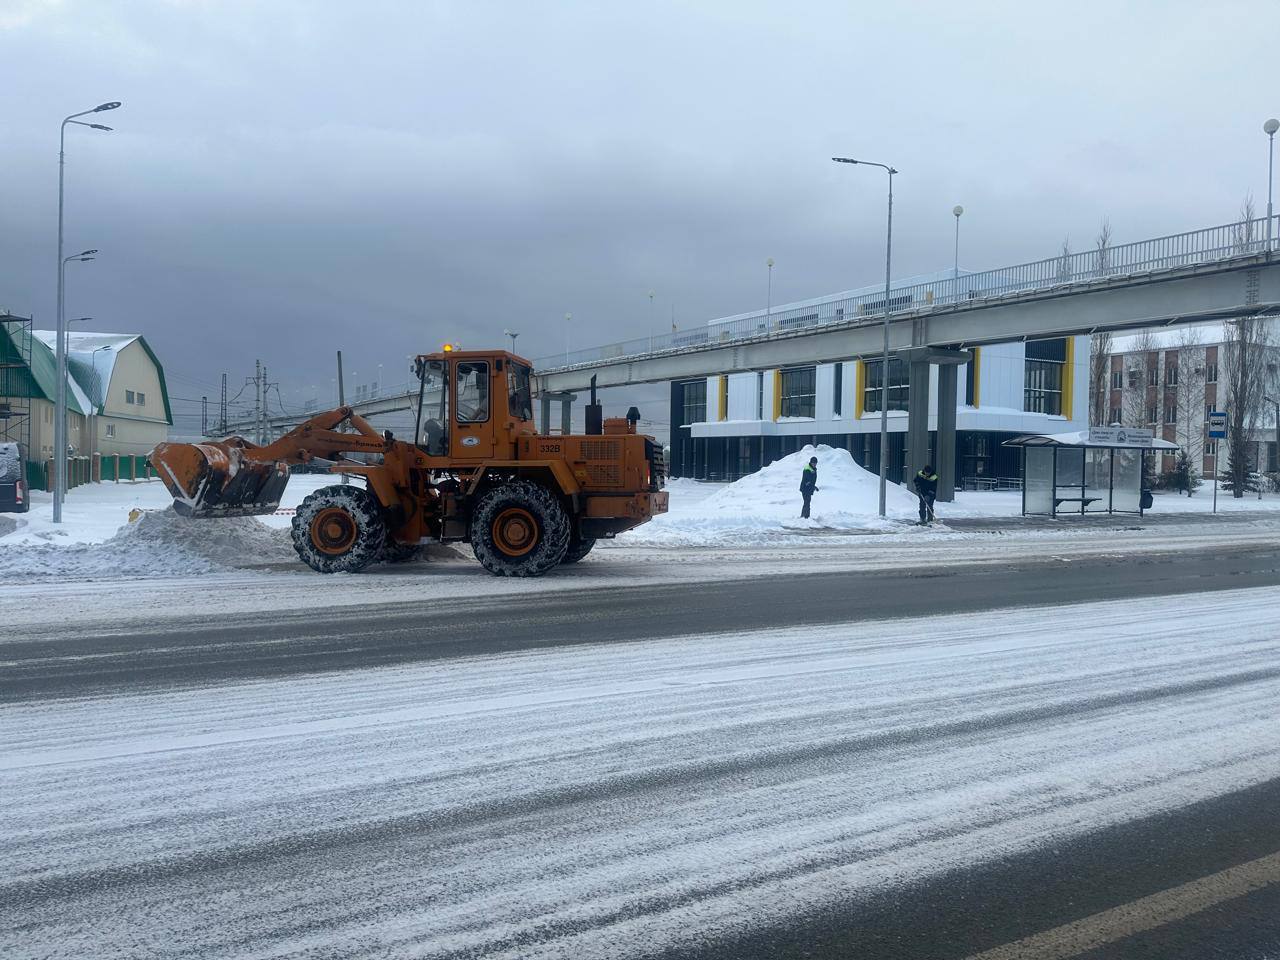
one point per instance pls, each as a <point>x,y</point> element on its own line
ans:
<point>601,801</point>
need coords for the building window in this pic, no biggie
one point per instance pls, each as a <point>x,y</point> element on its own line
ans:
<point>1117,380</point>
<point>1211,448</point>
<point>1113,415</point>
<point>128,396</point>
<point>760,395</point>
<point>1210,373</point>
<point>142,399</point>
<point>837,389</point>
<point>1170,413</point>
<point>798,392</point>
<point>111,431</point>
<point>695,401</point>
<point>1171,375</point>
<point>899,385</point>
<point>1151,413</point>
<point>1042,388</point>
<point>1153,375</point>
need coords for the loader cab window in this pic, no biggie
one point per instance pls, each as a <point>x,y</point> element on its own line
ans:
<point>473,391</point>
<point>435,408</point>
<point>519,386</point>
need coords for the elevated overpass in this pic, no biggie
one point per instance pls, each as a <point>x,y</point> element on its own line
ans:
<point>1217,273</point>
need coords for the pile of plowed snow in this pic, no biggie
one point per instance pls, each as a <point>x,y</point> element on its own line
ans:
<point>160,543</point>
<point>765,506</point>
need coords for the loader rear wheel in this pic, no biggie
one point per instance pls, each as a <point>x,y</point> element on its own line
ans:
<point>339,530</point>
<point>519,530</point>
<point>578,548</point>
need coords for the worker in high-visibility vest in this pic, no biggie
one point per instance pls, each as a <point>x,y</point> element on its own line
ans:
<point>808,484</point>
<point>926,483</point>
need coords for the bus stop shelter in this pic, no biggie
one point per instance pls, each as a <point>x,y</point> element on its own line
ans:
<point>1094,471</point>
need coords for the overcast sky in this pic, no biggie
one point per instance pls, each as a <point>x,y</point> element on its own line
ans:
<point>290,178</point>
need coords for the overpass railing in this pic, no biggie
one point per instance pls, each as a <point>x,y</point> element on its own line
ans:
<point>1239,239</point>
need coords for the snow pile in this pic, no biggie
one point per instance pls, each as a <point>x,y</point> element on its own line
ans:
<point>765,505</point>
<point>159,543</point>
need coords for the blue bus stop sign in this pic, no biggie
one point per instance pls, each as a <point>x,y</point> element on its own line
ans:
<point>1217,426</point>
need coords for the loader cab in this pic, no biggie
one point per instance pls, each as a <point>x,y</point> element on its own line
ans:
<point>474,404</point>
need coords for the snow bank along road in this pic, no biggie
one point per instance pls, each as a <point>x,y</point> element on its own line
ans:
<point>805,780</point>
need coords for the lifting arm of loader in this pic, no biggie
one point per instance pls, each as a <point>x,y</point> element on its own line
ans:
<point>235,477</point>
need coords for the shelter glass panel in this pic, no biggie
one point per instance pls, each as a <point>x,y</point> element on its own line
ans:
<point>1097,480</point>
<point>1038,484</point>
<point>1127,490</point>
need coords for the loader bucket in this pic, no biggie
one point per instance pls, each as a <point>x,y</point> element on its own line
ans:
<point>219,479</point>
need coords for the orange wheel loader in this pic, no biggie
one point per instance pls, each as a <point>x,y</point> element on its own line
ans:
<point>476,471</point>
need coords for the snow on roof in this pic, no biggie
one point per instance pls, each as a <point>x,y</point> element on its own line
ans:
<point>91,360</point>
<point>1080,438</point>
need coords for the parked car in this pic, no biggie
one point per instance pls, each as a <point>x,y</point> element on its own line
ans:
<point>14,495</point>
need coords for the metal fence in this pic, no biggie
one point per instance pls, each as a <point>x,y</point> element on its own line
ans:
<point>1240,239</point>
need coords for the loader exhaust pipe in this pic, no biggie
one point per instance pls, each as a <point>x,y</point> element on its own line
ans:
<point>595,412</point>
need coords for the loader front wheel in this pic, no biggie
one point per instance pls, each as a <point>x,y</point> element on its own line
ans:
<point>519,530</point>
<point>339,529</point>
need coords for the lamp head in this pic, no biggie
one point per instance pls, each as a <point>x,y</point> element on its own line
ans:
<point>957,210</point>
<point>769,262</point>
<point>109,105</point>
<point>1271,126</point>
<point>101,126</point>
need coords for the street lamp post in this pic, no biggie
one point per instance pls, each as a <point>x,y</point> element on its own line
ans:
<point>512,334</point>
<point>1270,128</point>
<point>884,362</point>
<point>60,392</point>
<point>652,328</point>
<point>768,308</point>
<point>955,273</point>
<point>568,319</point>
<point>60,414</point>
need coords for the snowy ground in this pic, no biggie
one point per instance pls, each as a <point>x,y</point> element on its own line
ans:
<point>746,522</point>
<point>606,801</point>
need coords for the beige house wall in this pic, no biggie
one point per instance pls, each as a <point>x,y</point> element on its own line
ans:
<point>42,430</point>
<point>132,428</point>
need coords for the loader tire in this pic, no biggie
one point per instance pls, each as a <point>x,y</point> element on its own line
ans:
<point>578,548</point>
<point>519,530</point>
<point>339,529</point>
<point>393,552</point>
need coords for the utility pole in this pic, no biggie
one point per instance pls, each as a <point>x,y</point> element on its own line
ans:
<point>222,412</point>
<point>264,405</point>
<point>204,417</point>
<point>257,406</point>
<point>342,402</point>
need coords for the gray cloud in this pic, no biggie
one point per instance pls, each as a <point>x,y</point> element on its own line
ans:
<point>291,178</point>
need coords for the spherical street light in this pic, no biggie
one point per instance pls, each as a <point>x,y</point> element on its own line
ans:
<point>1271,126</point>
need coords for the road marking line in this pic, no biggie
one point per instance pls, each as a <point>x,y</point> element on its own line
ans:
<point>1167,906</point>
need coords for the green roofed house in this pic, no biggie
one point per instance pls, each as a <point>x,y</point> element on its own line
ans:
<point>117,402</point>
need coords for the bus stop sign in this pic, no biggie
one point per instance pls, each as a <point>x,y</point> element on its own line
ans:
<point>1217,426</point>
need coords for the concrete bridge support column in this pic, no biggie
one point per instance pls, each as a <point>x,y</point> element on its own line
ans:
<point>945,462</point>
<point>566,414</point>
<point>920,361</point>
<point>917,418</point>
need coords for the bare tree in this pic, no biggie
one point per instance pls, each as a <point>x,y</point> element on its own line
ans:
<point>1103,253</point>
<point>1190,403</point>
<point>1064,262</point>
<point>1243,238</point>
<point>1100,343</point>
<point>1139,365</point>
<point>1249,376</point>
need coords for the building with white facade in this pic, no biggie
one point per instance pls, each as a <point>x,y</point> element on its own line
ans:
<point>724,427</point>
